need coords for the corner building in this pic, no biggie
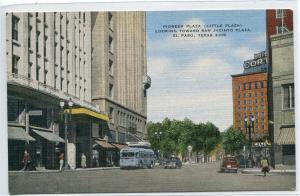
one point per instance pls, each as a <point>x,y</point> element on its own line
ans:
<point>281,57</point>
<point>119,73</point>
<point>95,60</point>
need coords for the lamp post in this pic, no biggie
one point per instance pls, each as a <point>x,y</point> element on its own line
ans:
<point>249,123</point>
<point>66,105</point>
<point>158,135</point>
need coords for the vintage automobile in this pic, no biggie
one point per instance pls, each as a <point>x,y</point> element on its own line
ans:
<point>229,164</point>
<point>173,163</point>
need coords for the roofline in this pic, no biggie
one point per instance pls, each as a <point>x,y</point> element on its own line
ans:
<point>245,74</point>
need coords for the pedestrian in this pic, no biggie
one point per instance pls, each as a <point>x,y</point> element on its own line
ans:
<point>61,158</point>
<point>264,165</point>
<point>25,161</point>
<point>83,160</point>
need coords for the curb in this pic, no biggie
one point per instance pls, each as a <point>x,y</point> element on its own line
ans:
<point>271,171</point>
<point>57,171</point>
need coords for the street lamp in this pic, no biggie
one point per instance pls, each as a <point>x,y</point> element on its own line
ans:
<point>158,135</point>
<point>249,123</point>
<point>66,105</point>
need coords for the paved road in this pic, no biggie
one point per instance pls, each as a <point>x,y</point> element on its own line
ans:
<point>193,178</point>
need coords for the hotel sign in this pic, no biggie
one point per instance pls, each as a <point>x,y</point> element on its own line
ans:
<point>259,59</point>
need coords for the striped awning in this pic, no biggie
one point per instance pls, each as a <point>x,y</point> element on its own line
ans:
<point>18,133</point>
<point>104,144</point>
<point>286,136</point>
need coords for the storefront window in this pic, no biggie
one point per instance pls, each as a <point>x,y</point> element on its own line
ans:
<point>14,108</point>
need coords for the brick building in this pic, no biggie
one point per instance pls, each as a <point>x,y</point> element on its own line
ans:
<point>249,93</point>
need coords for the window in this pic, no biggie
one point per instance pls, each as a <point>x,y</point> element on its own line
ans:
<point>280,29</point>
<point>244,95</point>
<point>29,69</point>
<point>110,20</point>
<point>111,114</point>
<point>110,68</point>
<point>245,102</point>
<point>29,36</point>
<point>37,41</point>
<point>250,95</point>
<point>249,85</point>
<point>280,13</point>
<point>15,62</point>
<point>37,72</point>
<point>111,88</point>
<point>261,84</point>
<point>255,85</point>
<point>262,93</point>
<point>111,48</point>
<point>45,45</point>
<point>288,96</point>
<point>245,86</point>
<point>239,103</point>
<point>15,28</point>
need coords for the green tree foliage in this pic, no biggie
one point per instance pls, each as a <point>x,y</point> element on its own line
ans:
<point>177,135</point>
<point>233,141</point>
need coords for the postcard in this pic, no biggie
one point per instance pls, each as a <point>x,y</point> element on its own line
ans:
<point>158,101</point>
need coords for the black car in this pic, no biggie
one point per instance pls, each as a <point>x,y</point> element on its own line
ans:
<point>173,163</point>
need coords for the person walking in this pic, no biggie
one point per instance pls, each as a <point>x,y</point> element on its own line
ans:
<point>264,166</point>
<point>83,160</point>
<point>61,161</point>
<point>25,161</point>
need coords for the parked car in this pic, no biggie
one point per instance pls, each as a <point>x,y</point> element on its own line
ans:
<point>173,163</point>
<point>229,164</point>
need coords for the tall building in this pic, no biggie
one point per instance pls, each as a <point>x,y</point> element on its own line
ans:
<point>69,57</point>
<point>250,100</point>
<point>119,72</point>
<point>282,110</point>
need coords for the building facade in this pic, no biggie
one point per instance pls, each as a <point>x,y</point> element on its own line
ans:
<point>281,60</point>
<point>250,99</point>
<point>119,72</point>
<point>57,57</point>
<point>250,104</point>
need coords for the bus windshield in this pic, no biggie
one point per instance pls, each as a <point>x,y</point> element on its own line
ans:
<point>127,154</point>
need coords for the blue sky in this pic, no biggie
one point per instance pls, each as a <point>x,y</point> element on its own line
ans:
<point>191,76</point>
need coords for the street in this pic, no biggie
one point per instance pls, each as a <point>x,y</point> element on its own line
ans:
<point>191,178</point>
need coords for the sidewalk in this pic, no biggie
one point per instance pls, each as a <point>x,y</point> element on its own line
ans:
<point>279,169</point>
<point>43,170</point>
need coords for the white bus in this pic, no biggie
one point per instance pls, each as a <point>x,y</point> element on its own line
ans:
<point>136,158</point>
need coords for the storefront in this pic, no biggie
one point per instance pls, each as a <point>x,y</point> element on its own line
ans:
<point>18,142</point>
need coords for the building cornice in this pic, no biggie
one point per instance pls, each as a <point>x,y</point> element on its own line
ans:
<point>120,105</point>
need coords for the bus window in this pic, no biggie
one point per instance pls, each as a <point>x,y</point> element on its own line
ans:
<point>127,154</point>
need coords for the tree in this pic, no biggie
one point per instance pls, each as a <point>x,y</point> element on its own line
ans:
<point>233,141</point>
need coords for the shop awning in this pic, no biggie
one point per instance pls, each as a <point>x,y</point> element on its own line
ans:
<point>87,112</point>
<point>286,136</point>
<point>18,133</point>
<point>119,146</point>
<point>52,137</point>
<point>104,144</point>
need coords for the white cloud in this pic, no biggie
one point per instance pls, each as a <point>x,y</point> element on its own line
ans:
<point>210,105</point>
<point>158,65</point>
<point>244,53</point>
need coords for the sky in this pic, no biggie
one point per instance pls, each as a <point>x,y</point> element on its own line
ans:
<point>191,77</point>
